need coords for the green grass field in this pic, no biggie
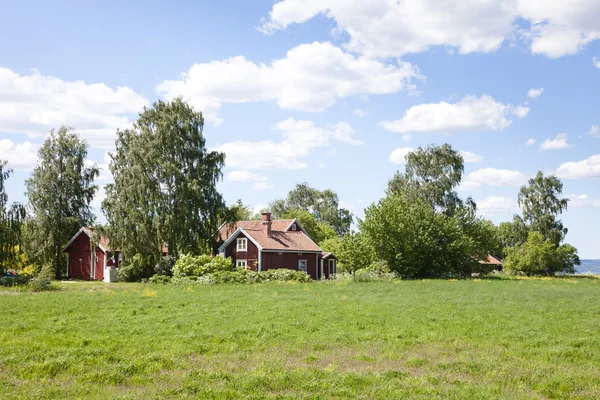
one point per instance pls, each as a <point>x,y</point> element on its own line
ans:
<point>530,338</point>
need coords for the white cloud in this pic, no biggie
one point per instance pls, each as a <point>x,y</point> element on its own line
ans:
<point>497,205</point>
<point>596,62</point>
<point>389,28</point>
<point>300,139</point>
<point>360,113</point>
<point>595,131</point>
<point>398,156</point>
<point>493,177</point>
<point>533,93</point>
<point>407,138</point>
<point>471,114</point>
<point>261,182</point>
<point>530,142</point>
<point>560,142</point>
<point>583,201</point>
<point>310,78</point>
<point>471,157</point>
<point>588,168</point>
<point>18,155</point>
<point>34,104</point>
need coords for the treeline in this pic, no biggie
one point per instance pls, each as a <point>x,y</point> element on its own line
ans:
<point>164,194</point>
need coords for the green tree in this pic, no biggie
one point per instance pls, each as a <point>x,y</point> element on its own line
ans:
<point>60,190</point>
<point>11,220</point>
<point>324,205</point>
<point>317,231</point>
<point>240,212</point>
<point>164,188</point>
<point>540,255</point>
<point>355,252</point>
<point>512,233</point>
<point>432,174</point>
<point>541,203</point>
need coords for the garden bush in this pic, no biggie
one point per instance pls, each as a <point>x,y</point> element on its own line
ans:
<point>194,266</point>
<point>243,277</point>
<point>135,269</point>
<point>165,266</point>
<point>159,279</point>
<point>42,280</point>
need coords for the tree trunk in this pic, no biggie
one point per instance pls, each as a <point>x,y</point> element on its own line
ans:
<point>57,262</point>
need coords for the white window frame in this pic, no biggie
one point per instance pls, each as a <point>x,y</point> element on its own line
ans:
<point>305,265</point>
<point>242,244</point>
<point>332,267</point>
<point>241,263</point>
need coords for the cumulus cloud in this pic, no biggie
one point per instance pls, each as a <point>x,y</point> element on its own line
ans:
<point>493,177</point>
<point>300,139</point>
<point>19,155</point>
<point>588,168</point>
<point>471,157</point>
<point>261,182</point>
<point>471,114</point>
<point>533,93</point>
<point>497,205</point>
<point>560,142</point>
<point>360,113</point>
<point>530,142</point>
<point>34,104</point>
<point>388,28</point>
<point>311,77</point>
<point>398,156</point>
<point>583,201</point>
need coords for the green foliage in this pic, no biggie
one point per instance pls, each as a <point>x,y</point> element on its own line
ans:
<point>317,231</point>
<point>322,205</point>
<point>431,174</point>
<point>11,220</point>
<point>188,265</point>
<point>136,268</point>
<point>512,233</point>
<point>240,212</point>
<point>60,190</point>
<point>541,202</point>
<point>356,252</point>
<point>164,189</point>
<point>539,255</point>
<point>333,245</point>
<point>159,279</point>
<point>165,266</point>
<point>42,281</point>
<point>243,276</point>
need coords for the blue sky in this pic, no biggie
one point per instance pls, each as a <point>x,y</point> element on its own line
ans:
<point>329,92</point>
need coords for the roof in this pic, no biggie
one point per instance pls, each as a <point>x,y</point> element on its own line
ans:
<point>325,255</point>
<point>491,260</point>
<point>280,239</point>
<point>102,242</point>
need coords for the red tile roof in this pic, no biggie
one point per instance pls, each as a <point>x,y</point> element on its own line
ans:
<point>280,239</point>
<point>491,260</point>
<point>103,240</point>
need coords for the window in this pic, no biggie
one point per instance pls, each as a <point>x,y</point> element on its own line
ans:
<point>302,265</point>
<point>293,227</point>
<point>242,244</point>
<point>241,264</point>
<point>332,267</point>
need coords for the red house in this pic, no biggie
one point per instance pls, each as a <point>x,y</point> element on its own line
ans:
<point>272,244</point>
<point>86,264</point>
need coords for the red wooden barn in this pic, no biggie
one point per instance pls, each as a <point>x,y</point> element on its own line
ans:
<point>83,263</point>
<point>272,244</point>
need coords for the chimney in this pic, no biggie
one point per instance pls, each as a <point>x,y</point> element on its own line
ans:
<point>266,223</point>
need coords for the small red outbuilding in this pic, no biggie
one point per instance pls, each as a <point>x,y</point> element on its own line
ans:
<point>88,262</point>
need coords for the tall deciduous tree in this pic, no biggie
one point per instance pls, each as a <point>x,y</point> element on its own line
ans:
<point>165,181</point>
<point>432,174</point>
<point>60,191</point>
<point>11,219</point>
<point>541,203</point>
<point>324,205</point>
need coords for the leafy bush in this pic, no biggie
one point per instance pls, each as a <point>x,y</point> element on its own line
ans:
<point>165,266</point>
<point>159,279</point>
<point>14,280</point>
<point>135,269</point>
<point>367,275</point>
<point>194,266</point>
<point>42,281</point>
<point>243,277</point>
<point>379,267</point>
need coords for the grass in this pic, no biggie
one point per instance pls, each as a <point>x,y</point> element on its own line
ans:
<point>505,339</point>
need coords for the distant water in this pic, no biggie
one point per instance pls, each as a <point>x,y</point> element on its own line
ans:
<point>589,267</point>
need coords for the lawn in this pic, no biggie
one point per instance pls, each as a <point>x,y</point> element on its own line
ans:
<point>530,338</point>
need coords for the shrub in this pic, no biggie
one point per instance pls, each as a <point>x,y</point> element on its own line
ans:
<point>14,280</point>
<point>243,276</point>
<point>42,281</point>
<point>379,267</point>
<point>194,266</point>
<point>135,269</point>
<point>159,279</point>
<point>285,275</point>
<point>165,266</point>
